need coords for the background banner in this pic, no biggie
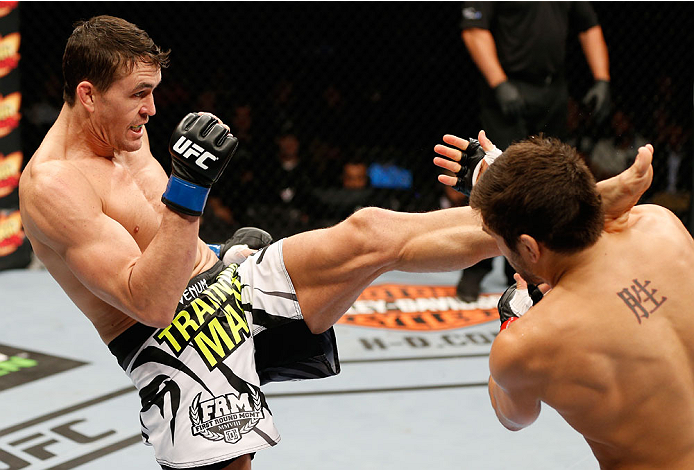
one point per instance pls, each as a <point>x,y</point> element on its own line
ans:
<point>15,251</point>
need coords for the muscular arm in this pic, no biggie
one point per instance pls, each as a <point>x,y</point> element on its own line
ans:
<point>595,50</point>
<point>513,387</point>
<point>331,267</point>
<point>482,48</point>
<point>64,213</point>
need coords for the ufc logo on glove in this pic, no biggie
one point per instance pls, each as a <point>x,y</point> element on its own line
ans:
<point>186,149</point>
<point>201,147</point>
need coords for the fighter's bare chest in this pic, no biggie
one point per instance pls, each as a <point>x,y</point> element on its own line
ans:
<point>133,199</point>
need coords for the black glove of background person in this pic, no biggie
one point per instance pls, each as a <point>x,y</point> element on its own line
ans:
<point>509,99</point>
<point>598,99</point>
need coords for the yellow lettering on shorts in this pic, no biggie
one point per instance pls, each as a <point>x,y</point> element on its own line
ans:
<point>216,291</point>
<point>165,335</point>
<point>236,323</point>
<point>223,287</point>
<point>204,343</point>
<point>201,309</point>
<point>182,321</point>
<point>212,336</point>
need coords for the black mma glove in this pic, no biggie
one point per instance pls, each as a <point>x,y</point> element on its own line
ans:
<point>598,98</point>
<point>509,99</point>
<point>200,148</point>
<point>514,303</point>
<point>472,157</point>
<point>251,237</point>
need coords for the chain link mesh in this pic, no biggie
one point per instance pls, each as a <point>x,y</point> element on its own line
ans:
<point>357,86</point>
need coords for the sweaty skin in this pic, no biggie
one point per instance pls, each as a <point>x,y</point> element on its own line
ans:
<point>90,204</point>
<point>610,346</point>
<point>90,201</point>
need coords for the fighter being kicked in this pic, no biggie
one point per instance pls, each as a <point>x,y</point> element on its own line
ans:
<point>120,237</point>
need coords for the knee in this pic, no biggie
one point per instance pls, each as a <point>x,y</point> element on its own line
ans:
<point>365,222</point>
<point>372,230</point>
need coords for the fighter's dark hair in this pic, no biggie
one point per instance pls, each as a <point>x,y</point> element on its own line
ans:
<point>103,49</point>
<point>540,187</point>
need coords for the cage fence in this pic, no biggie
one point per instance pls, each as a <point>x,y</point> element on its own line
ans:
<point>338,105</point>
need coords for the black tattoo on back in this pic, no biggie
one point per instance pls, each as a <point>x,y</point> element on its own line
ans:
<point>641,300</point>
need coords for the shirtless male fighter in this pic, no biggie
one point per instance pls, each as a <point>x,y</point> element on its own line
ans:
<point>197,336</point>
<point>183,325</point>
<point>609,346</point>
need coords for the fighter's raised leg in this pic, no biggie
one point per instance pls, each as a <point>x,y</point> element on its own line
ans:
<point>331,267</point>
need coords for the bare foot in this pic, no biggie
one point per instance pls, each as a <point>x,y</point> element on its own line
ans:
<point>620,193</point>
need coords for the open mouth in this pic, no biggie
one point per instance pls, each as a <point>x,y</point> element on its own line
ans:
<point>137,128</point>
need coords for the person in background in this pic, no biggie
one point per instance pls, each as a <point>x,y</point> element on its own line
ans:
<point>520,51</point>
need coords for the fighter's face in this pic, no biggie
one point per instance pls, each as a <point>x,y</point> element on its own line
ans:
<point>121,112</point>
<point>520,266</point>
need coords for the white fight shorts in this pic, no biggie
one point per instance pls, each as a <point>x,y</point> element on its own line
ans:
<point>236,328</point>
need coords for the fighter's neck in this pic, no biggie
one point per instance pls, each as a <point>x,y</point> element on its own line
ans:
<point>81,138</point>
<point>563,267</point>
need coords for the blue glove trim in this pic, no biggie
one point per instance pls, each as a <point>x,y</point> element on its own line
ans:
<point>185,197</point>
<point>217,248</point>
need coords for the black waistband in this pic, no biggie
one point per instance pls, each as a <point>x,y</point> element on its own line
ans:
<point>125,345</point>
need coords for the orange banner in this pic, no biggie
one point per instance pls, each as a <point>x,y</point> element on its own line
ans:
<point>420,308</point>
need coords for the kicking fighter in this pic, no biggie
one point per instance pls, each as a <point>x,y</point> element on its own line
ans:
<point>197,336</point>
<point>609,346</point>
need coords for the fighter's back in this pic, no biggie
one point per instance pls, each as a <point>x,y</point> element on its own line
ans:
<point>614,346</point>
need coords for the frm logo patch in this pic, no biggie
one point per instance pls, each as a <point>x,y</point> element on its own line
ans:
<point>418,308</point>
<point>226,417</point>
<point>19,366</point>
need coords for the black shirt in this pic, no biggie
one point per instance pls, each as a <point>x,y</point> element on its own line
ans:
<point>530,37</point>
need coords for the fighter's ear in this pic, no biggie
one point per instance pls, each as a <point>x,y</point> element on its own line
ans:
<point>529,248</point>
<point>85,95</point>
